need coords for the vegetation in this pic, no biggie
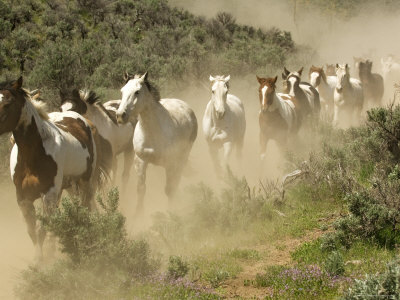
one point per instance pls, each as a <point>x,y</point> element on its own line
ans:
<point>63,44</point>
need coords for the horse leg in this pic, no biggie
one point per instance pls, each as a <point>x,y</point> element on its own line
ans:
<point>335,115</point>
<point>213,149</point>
<point>227,152</point>
<point>114,169</point>
<point>173,177</point>
<point>263,146</point>
<point>141,167</point>
<point>50,204</point>
<point>88,190</point>
<point>28,211</point>
<point>129,156</point>
<point>239,149</point>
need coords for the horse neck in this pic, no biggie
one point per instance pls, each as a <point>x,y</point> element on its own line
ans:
<point>277,104</point>
<point>30,123</point>
<point>150,116</point>
<point>98,117</point>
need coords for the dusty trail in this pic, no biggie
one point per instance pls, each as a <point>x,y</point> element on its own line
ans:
<point>16,249</point>
<point>277,253</point>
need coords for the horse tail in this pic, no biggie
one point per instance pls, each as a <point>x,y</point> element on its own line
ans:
<point>104,159</point>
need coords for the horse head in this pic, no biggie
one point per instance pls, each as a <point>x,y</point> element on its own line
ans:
<point>12,100</point>
<point>220,88</point>
<point>330,70</point>
<point>343,76</point>
<point>72,101</point>
<point>292,81</point>
<point>316,74</point>
<point>266,92</point>
<point>364,69</point>
<point>136,96</point>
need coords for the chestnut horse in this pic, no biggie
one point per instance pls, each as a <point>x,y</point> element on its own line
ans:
<point>51,152</point>
<point>278,117</point>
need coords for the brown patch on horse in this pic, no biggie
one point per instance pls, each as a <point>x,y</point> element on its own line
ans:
<point>83,133</point>
<point>293,100</point>
<point>35,170</point>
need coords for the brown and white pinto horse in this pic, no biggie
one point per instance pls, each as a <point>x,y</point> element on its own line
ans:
<point>51,152</point>
<point>305,94</point>
<point>117,137</point>
<point>278,116</point>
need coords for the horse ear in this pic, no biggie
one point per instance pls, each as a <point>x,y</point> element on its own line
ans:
<point>347,66</point>
<point>337,66</point>
<point>284,76</point>
<point>212,78</point>
<point>275,79</point>
<point>17,84</point>
<point>286,71</point>
<point>126,76</point>
<point>143,78</point>
<point>146,75</point>
<point>260,80</point>
<point>75,94</point>
<point>227,78</point>
<point>300,71</point>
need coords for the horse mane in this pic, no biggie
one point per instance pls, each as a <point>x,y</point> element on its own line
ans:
<point>91,98</point>
<point>153,90</point>
<point>41,108</point>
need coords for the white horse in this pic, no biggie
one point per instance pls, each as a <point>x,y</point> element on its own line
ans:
<point>51,152</point>
<point>118,136</point>
<point>325,86</point>
<point>348,97</point>
<point>278,117</point>
<point>164,134</point>
<point>224,122</point>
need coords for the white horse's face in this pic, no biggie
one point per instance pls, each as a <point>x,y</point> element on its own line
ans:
<point>219,94</point>
<point>315,79</point>
<point>343,76</point>
<point>132,101</point>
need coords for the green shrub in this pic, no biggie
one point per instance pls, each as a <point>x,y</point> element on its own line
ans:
<point>334,263</point>
<point>381,286</point>
<point>177,267</point>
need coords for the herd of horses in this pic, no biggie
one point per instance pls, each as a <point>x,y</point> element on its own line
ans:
<point>76,148</point>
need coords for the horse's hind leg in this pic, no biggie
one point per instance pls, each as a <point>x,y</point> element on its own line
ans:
<point>141,168</point>
<point>129,156</point>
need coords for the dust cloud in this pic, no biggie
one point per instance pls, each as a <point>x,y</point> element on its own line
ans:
<point>371,34</point>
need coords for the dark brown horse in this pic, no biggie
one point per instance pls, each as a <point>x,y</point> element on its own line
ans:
<point>372,84</point>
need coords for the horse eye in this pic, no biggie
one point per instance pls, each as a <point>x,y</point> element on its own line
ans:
<point>136,93</point>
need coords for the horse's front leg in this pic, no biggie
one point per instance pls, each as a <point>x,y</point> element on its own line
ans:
<point>141,168</point>
<point>50,204</point>
<point>263,145</point>
<point>227,152</point>
<point>129,156</point>
<point>114,169</point>
<point>213,149</point>
<point>173,177</point>
<point>28,211</point>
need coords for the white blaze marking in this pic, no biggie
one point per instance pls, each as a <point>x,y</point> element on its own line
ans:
<point>264,90</point>
<point>1,98</point>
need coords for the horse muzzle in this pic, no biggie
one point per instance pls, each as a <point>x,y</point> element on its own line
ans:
<point>220,114</point>
<point>122,118</point>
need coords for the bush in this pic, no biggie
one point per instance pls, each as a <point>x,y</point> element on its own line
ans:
<point>100,257</point>
<point>177,267</point>
<point>380,286</point>
<point>334,263</point>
